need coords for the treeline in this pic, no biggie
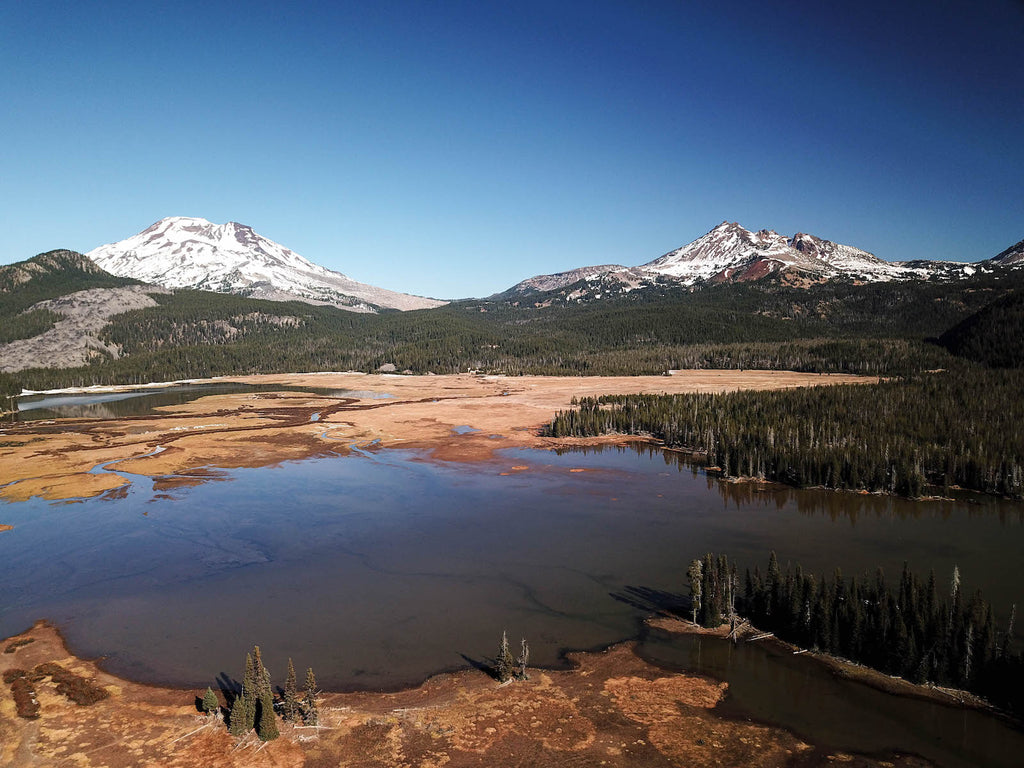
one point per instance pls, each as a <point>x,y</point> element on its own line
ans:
<point>921,630</point>
<point>877,329</point>
<point>957,428</point>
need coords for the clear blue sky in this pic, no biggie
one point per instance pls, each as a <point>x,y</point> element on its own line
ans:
<point>455,148</point>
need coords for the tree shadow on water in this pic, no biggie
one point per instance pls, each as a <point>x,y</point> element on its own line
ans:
<point>481,665</point>
<point>229,688</point>
<point>652,600</point>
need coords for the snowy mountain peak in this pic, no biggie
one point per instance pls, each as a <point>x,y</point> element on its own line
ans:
<point>188,252</point>
<point>732,253</point>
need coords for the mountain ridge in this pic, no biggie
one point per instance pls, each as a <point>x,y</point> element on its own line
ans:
<point>190,252</point>
<point>732,253</point>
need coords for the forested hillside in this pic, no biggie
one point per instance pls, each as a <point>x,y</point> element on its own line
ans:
<point>993,336</point>
<point>46,276</point>
<point>880,328</point>
<point>962,428</point>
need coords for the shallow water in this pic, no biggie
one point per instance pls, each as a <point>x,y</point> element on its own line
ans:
<point>771,685</point>
<point>144,402</point>
<point>380,568</point>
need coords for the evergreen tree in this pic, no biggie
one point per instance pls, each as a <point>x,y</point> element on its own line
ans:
<point>243,708</point>
<point>695,576</point>
<point>249,692</point>
<point>503,664</point>
<point>210,703</point>
<point>236,718</point>
<point>266,726</point>
<point>310,712</point>
<point>291,695</point>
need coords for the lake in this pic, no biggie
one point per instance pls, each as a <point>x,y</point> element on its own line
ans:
<point>380,568</point>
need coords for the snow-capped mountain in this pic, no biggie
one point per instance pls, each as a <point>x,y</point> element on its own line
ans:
<point>185,252</point>
<point>1012,256</point>
<point>730,253</point>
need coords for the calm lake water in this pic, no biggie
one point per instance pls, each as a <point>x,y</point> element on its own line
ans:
<point>379,569</point>
<point>143,402</point>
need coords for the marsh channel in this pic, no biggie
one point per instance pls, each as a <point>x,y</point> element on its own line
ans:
<point>382,567</point>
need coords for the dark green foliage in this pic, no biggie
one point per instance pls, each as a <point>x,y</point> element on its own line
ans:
<point>46,276</point>
<point>993,336</point>
<point>266,722</point>
<point>290,705</point>
<point>898,627</point>
<point>695,576</point>
<point>9,386</point>
<point>263,715</point>
<point>243,708</point>
<point>210,703</point>
<point>27,325</point>
<point>963,427</point>
<point>876,329</point>
<point>310,710</point>
<point>712,590</point>
<point>503,663</point>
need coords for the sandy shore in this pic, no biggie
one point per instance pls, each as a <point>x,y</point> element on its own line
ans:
<point>55,460</point>
<point>613,709</point>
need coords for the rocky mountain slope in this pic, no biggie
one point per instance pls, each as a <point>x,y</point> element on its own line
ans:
<point>74,339</point>
<point>184,252</point>
<point>53,307</point>
<point>1011,256</point>
<point>731,253</point>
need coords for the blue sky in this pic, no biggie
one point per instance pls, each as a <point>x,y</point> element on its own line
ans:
<point>454,148</point>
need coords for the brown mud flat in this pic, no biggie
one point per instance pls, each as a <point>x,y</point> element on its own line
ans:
<point>612,709</point>
<point>55,459</point>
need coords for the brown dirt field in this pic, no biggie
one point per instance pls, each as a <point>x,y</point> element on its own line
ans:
<point>53,459</point>
<point>613,709</point>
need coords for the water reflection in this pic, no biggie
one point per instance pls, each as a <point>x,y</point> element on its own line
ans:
<point>381,568</point>
<point>836,505</point>
<point>146,401</point>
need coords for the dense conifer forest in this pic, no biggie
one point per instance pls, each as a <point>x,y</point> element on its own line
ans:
<point>910,436</point>
<point>924,630</point>
<point>870,329</point>
<point>993,336</point>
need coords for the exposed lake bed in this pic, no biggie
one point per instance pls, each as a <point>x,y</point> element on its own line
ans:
<point>345,543</point>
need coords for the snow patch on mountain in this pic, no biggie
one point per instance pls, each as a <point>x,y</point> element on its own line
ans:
<point>731,253</point>
<point>186,252</point>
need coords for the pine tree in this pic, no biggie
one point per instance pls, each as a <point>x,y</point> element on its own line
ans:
<point>291,695</point>
<point>236,718</point>
<point>266,726</point>
<point>310,714</point>
<point>694,574</point>
<point>503,665</point>
<point>210,703</point>
<point>243,709</point>
<point>249,684</point>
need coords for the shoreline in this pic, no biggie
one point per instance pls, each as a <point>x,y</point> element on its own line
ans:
<point>460,717</point>
<point>844,668</point>
<point>56,459</point>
